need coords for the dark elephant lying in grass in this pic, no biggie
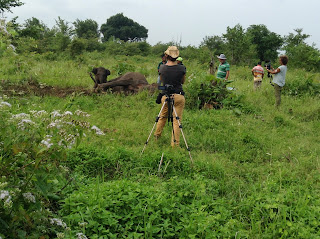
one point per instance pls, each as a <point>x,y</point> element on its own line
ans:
<point>131,82</point>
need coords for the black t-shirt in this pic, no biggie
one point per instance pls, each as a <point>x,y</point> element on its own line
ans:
<point>172,75</point>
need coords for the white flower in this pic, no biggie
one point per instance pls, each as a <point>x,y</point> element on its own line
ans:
<point>38,113</point>
<point>23,122</point>
<point>7,198</point>
<point>55,113</point>
<point>4,194</point>
<point>47,141</point>
<point>58,222</point>
<point>81,113</point>
<point>67,113</point>
<point>98,131</point>
<point>29,197</point>
<point>81,236</point>
<point>5,104</point>
<point>21,116</point>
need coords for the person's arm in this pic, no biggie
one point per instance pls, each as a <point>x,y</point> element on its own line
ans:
<point>227,76</point>
<point>274,71</point>
<point>183,79</point>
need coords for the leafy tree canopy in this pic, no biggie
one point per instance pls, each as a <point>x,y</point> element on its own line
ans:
<point>296,39</point>
<point>123,28</point>
<point>214,43</point>
<point>267,43</point>
<point>237,44</point>
<point>6,5</point>
<point>86,29</point>
<point>34,28</point>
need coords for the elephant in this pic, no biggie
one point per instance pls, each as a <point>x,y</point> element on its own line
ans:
<point>131,82</point>
<point>101,75</point>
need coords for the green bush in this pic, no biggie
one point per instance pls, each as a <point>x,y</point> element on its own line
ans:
<point>178,208</point>
<point>302,86</point>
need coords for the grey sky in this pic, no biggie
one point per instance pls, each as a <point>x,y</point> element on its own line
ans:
<point>188,21</point>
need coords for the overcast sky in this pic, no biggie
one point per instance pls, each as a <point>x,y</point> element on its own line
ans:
<point>188,21</point>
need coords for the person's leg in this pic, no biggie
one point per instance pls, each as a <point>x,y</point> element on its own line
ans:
<point>277,91</point>
<point>179,102</point>
<point>257,85</point>
<point>163,118</point>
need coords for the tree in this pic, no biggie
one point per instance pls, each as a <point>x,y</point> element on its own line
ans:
<point>300,54</point>
<point>6,5</point>
<point>295,39</point>
<point>214,43</point>
<point>86,29</point>
<point>34,28</point>
<point>267,43</point>
<point>63,34</point>
<point>237,43</point>
<point>123,28</point>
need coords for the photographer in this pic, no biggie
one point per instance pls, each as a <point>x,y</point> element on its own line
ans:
<point>279,79</point>
<point>173,75</point>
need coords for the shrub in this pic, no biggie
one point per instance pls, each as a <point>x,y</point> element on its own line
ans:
<point>177,208</point>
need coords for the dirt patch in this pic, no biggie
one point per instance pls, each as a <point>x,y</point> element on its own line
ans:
<point>34,88</point>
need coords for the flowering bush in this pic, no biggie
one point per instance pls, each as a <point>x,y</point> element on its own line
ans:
<point>32,179</point>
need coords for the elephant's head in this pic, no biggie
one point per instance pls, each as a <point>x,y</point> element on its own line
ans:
<point>101,74</point>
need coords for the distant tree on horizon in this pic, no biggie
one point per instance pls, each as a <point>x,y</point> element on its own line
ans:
<point>123,28</point>
<point>267,43</point>
<point>6,5</point>
<point>86,29</point>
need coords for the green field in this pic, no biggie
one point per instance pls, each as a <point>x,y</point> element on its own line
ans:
<point>255,174</point>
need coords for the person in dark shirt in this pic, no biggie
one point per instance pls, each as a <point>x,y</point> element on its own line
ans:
<point>164,61</point>
<point>174,75</point>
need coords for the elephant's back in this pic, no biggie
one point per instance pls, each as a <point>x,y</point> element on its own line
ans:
<point>137,77</point>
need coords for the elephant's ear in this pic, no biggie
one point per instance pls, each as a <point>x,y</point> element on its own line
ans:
<point>95,70</point>
<point>108,72</point>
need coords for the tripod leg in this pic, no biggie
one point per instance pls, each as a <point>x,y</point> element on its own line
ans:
<point>184,138</point>
<point>154,125</point>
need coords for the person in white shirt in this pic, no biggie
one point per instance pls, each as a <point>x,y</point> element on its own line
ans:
<point>279,78</point>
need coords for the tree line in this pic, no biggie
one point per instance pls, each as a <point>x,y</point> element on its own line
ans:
<point>121,35</point>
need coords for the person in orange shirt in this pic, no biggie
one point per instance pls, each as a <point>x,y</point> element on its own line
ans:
<point>258,73</point>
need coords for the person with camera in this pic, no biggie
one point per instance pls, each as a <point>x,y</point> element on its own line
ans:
<point>172,76</point>
<point>279,78</point>
<point>258,74</point>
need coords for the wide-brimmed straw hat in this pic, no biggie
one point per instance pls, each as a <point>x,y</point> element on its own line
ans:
<point>172,51</point>
<point>222,57</point>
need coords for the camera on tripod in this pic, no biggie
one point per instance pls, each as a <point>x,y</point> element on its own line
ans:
<point>167,89</point>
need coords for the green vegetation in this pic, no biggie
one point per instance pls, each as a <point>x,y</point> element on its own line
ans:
<point>71,167</point>
<point>70,159</point>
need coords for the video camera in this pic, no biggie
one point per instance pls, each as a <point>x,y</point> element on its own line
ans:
<point>268,65</point>
<point>167,89</point>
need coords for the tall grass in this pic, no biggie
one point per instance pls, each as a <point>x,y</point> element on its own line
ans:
<point>256,172</point>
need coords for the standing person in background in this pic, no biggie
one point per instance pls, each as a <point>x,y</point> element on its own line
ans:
<point>224,68</point>
<point>258,74</point>
<point>279,78</point>
<point>179,61</point>
<point>164,61</point>
<point>174,75</point>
